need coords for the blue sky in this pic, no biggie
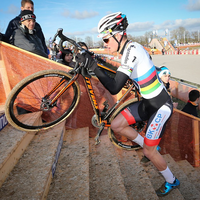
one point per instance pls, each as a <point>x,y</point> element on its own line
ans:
<point>80,18</point>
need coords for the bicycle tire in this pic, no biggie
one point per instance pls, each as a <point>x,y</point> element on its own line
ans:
<point>26,100</point>
<point>121,141</point>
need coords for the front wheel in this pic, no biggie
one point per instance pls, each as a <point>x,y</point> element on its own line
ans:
<point>121,141</point>
<point>32,99</point>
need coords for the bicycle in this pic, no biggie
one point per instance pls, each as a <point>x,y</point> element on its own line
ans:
<point>54,94</point>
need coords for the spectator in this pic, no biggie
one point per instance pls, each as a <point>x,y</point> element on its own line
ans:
<point>67,57</point>
<point>192,104</point>
<point>164,74</point>
<point>1,36</point>
<point>178,51</point>
<point>15,23</point>
<point>56,50</point>
<point>25,36</point>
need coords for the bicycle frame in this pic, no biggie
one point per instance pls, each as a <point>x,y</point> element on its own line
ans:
<point>101,117</point>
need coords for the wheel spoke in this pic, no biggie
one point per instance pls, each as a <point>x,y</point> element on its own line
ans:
<point>31,98</point>
<point>121,141</point>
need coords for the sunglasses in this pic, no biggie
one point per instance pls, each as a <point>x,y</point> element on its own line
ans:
<point>106,40</point>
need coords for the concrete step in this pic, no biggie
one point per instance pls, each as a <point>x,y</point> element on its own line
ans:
<point>3,120</point>
<point>157,180</point>
<point>192,173</point>
<point>137,183</point>
<point>13,143</point>
<point>31,177</point>
<point>106,181</point>
<point>187,188</point>
<point>112,171</point>
<point>71,180</point>
<point>85,171</point>
<point>2,109</point>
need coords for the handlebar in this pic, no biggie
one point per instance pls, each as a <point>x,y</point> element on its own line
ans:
<point>65,38</point>
<point>54,38</point>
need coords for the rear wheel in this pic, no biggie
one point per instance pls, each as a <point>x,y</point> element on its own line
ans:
<point>31,98</point>
<point>121,141</point>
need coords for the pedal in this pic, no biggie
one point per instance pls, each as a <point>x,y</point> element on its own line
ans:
<point>97,141</point>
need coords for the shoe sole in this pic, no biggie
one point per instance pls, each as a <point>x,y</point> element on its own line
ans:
<point>162,195</point>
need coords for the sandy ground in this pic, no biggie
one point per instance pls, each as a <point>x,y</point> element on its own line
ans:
<point>186,67</point>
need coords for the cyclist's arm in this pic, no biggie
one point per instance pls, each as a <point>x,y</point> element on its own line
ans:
<point>113,85</point>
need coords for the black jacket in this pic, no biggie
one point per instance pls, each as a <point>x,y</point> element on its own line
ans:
<point>190,109</point>
<point>14,24</point>
<point>26,40</point>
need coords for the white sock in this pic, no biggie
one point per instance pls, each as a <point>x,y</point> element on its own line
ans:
<point>167,174</point>
<point>139,140</point>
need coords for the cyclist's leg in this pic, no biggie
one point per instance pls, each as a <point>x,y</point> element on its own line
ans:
<point>155,129</point>
<point>154,133</point>
<point>121,126</point>
<point>121,123</point>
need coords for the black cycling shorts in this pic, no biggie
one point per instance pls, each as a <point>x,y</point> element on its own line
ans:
<point>156,114</point>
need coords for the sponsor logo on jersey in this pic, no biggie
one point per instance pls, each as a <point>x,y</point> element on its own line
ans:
<point>128,53</point>
<point>155,127</point>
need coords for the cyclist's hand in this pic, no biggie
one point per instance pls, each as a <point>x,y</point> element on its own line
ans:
<point>86,60</point>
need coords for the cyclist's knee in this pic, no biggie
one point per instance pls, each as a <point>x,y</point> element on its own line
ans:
<point>118,123</point>
<point>146,152</point>
<point>149,152</point>
<point>116,126</point>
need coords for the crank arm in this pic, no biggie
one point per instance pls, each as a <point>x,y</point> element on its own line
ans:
<point>97,141</point>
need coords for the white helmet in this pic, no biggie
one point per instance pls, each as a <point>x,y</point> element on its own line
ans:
<point>112,24</point>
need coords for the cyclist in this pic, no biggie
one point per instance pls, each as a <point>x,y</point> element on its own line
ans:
<point>156,105</point>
